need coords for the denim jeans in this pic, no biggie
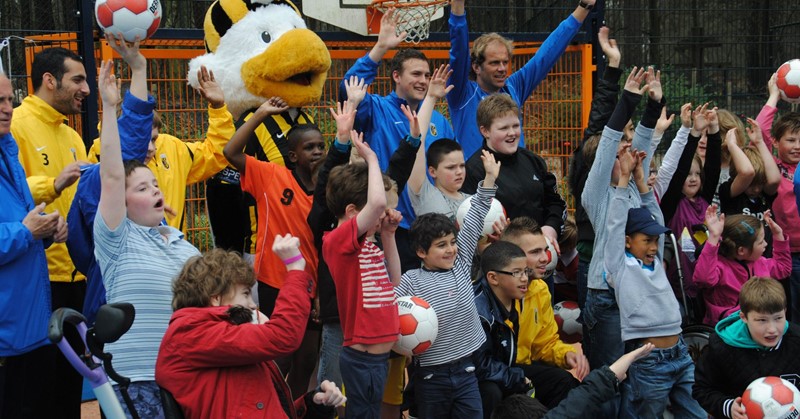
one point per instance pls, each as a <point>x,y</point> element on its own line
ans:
<point>602,338</point>
<point>447,391</point>
<point>666,375</point>
<point>332,339</point>
<point>146,397</point>
<point>602,326</point>
<point>364,376</point>
<point>582,285</point>
<point>794,286</point>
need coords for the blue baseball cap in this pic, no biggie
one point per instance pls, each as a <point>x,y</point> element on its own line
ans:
<point>640,220</point>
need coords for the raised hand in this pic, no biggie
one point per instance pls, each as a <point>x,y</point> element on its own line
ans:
<point>361,147</point>
<point>686,115</point>
<point>208,87</point>
<point>287,248</point>
<point>754,133</point>
<point>730,138</point>
<point>438,87</point>
<point>356,89</point>
<point>713,120</point>
<point>390,221</point>
<point>107,84</point>
<point>129,52</point>
<point>700,122</point>
<point>345,117</point>
<point>714,223</point>
<point>635,79</point>
<point>388,37</point>
<point>609,47</point>
<point>272,106</point>
<point>627,162</point>
<point>413,121</point>
<point>491,167</point>
<point>664,122</point>
<point>638,167</point>
<point>775,228</point>
<point>654,84</point>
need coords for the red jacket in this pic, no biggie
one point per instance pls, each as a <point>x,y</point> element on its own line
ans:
<point>216,369</point>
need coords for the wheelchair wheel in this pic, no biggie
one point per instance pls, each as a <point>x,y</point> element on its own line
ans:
<point>696,337</point>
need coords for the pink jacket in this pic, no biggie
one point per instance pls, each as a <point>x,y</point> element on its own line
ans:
<point>784,209</point>
<point>721,278</point>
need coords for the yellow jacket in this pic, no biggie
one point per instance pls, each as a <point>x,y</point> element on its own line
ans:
<point>538,332</point>
<point>46,146</point>
<point>179,163</point>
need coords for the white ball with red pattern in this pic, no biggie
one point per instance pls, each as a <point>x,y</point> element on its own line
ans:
<point>788,81</point>
<point>566,314</point>
<point>418,326</point>
<point>771,398</point>
<point>131,18</point>
<point>496,211</point>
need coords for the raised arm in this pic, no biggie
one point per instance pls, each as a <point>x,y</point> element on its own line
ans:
<point>770,167</point>
<point>207,157</point>
<point>706,271</point>
<point>370,215</point>
<point>112,173</point>
<point>437,89</point>
<point>744,169</point>
<point>767,113</point>
<point>234,150</point>
<point>614,255</point>
<point>459,55</point>
<point>673,155</point>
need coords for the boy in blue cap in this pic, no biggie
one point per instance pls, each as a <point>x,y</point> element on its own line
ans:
<point>649,311</point>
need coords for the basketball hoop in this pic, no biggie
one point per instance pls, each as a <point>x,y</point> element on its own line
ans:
<point>413,16</point>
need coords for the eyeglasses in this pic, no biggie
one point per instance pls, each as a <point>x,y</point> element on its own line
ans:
<point>517,274</point>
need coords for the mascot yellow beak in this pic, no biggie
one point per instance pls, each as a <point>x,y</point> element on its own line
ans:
<point>283,70</point>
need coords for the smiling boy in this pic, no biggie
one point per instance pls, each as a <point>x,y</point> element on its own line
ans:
<point>757,340</point>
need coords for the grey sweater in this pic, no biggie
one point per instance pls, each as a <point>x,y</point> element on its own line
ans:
<point>598,192</point>
<point>647,305</point>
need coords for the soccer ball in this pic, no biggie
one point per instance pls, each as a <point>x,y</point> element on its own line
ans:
<point>496,211</point>
<point>418,326</point>
<point>771,398</point>
<point>788,81</point>
<point>566,314</point>
<point>552,256</point>
<point>131,18</point>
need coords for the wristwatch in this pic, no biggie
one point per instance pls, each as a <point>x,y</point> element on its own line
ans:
<point>585,5</point>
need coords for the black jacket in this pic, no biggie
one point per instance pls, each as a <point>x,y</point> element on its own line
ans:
<point>603,104</point>
<point>524,186</point>
<point>585,401</point>
<point>495,358</point>
<point>723,372</point>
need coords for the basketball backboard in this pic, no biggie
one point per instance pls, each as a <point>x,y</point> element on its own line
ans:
<point>351,15</point>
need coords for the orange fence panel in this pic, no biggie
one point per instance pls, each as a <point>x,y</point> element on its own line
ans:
<point>554,116</point>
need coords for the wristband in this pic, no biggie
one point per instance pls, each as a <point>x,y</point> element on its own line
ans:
<point>293,259</point>
<point>413,141</point>
<point>342,148</point>
<point>585,5</point>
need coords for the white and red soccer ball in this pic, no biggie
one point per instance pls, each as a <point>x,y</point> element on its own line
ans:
<point>552,258</point>
<point>566,314</point>
<point>771,398</point>
<point>496,211</point>
<point>418,326</point>
<point>131,18</point>
<point>788,81</point>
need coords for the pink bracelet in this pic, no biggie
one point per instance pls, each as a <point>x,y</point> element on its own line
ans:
<point>293,259</point>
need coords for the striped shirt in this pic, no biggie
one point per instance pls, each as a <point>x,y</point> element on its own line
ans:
<point>450,292</point>
<point>138,267</point>
<point>367,309</point>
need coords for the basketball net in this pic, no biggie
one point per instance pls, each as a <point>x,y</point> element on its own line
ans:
<point>413,17</point>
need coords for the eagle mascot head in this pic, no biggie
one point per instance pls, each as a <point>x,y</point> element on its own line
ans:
<point>261,48</point>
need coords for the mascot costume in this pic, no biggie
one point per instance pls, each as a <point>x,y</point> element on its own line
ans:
<point>257,49</point>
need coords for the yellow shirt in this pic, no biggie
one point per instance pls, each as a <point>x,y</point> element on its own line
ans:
<point>46,146</point>
<point>538,332</point>
<point>179,163</point>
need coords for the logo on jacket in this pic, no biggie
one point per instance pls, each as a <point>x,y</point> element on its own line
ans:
<point>434,131</point>
<point>164,161</point>
<point>536,178</point>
